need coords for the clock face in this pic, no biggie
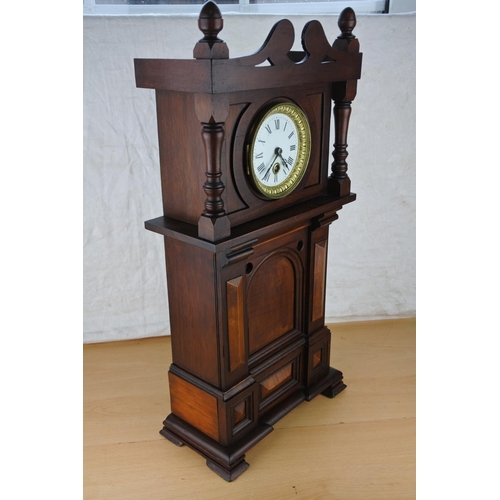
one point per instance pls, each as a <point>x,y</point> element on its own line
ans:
<point>279,150</point>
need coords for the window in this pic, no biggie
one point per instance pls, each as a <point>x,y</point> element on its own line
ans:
<point>172,7</point>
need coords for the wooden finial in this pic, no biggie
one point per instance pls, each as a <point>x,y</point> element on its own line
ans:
<point>347,22</point>
<point>210,23</point>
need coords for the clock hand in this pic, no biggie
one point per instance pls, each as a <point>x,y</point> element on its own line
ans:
<point>273,160</point>
<point>272,163</point>
<point>285,164</point>
<point>271,166</point>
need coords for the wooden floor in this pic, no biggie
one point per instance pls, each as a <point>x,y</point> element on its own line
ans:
<point>359,445</point>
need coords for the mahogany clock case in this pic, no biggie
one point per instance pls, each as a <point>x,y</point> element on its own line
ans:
<point>246,275</point>
<point>179,131</point>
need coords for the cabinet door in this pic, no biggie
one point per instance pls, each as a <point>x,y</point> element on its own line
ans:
<point>275,294</point>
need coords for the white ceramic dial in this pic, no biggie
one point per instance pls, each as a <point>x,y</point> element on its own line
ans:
<point>279,150</point>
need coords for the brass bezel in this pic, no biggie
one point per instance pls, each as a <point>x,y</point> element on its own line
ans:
<point>299,118</point>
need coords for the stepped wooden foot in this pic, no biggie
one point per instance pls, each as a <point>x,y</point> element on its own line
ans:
<point>333,390</point>
<point>328,386</point>
<point>171,437</point>
<point>336,385</point>
<point>227,462</point>
<point>228,474</point>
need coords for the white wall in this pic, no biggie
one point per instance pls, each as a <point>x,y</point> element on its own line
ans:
<point>371,271</point>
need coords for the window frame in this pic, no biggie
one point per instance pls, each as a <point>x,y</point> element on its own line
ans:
<point>243,7</point>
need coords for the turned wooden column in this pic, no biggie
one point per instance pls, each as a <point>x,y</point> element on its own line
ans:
<point>213,224</point>
<point>213,137</point>
<point>343,93</point>
<point>212,110</point>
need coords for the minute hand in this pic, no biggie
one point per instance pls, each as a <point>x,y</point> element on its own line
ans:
<point>267,171</point>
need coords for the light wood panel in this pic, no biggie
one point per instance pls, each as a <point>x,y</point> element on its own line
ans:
<point>359,445</point>
<point>319,274</point>
<point>194,406</point>
<point>235,322</point>
<point>276,380</point>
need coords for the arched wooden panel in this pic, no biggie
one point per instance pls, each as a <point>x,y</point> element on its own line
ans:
<point>271,300</point>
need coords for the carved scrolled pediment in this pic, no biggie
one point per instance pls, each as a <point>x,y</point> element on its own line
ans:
<point>275,64</point>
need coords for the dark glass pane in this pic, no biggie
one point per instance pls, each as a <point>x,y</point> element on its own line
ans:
<point>160,2</point>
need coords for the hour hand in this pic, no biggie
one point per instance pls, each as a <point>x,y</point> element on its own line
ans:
<point>278,153</point>
<point>285,164</point>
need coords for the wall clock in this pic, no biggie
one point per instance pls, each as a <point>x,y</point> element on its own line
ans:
<point>248,197</point>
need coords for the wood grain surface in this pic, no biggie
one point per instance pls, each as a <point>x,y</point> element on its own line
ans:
<point>360,445</point>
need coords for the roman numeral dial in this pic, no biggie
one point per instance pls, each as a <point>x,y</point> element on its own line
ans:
<point>279,150</point>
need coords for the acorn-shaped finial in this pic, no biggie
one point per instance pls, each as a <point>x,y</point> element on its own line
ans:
<point>347,22</point>
<point>210,21</point>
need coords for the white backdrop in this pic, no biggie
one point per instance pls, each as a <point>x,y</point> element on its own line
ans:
<point>371,267</point>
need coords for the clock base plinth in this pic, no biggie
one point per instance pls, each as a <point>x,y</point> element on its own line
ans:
<point>229,461</point>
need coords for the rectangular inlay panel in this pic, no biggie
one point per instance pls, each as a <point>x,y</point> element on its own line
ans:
<point>276,380</point>
<point>194,406</point>
<point>319,276</point>
<point>317,358</point>
<point>243,418</point>
<point>240,412</point>
<point>235,322</point>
